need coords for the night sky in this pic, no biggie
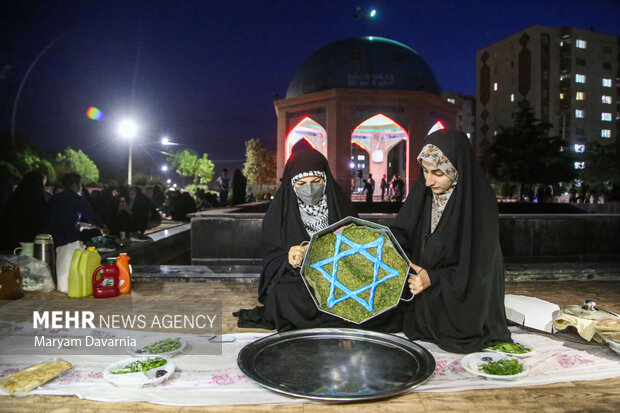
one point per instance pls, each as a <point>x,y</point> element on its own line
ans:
<point>206,72</point>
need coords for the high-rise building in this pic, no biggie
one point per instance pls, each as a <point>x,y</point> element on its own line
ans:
<point>466,112</point>
<point>569,76</point>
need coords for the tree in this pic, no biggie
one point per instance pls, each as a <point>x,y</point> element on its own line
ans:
<point>70,160</point>
<point>188,164</point>
<point>204,170</point>
<point>602,168</point>
<point>260,164</point>
<point>525,154</point>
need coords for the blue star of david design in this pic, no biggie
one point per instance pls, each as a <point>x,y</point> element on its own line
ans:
<point>355,249</point>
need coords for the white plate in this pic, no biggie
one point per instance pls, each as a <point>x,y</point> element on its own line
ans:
<point>141,343</point>
<point>478,359</point>
<point>138,379</point>
<point>517,355</point>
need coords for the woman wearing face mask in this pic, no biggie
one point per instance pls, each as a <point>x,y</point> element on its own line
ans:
<point>448,227</point>
<point>308,201</point>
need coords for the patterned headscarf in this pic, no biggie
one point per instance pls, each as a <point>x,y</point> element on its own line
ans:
<point>433,155</point>
<point>314,217</point>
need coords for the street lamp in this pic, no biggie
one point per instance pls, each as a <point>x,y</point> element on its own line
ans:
<point>128,129</point>
<point>164,168</point>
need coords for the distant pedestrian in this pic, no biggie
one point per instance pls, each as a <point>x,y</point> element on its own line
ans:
<point>239,183</point>
<point>369,187</point>
<point>398,185</point>
<point>223,183</point>
<point>384,186</point>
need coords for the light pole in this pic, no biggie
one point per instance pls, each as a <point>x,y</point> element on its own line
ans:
<point>127,129</point>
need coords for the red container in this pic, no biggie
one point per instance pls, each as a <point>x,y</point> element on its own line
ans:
<point>107,285</point>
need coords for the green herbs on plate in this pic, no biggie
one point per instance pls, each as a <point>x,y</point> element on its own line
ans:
<point>162,346</point>
<point>511,348</point>
<point>503,367</point>
<point>140,365</point>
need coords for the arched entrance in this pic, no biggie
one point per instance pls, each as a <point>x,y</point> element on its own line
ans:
<point>385,144</point>
<point>311,132</point>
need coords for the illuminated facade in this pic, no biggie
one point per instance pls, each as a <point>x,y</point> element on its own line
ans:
<point>365,103</point>
<point>569,76</point>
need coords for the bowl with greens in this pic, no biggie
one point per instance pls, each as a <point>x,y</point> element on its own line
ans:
<point>139,372</point>
<point>494,366</point>
<point>512,349</point>
<point>164,347</point>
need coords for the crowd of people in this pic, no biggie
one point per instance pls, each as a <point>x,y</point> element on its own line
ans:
<point>71,212</point>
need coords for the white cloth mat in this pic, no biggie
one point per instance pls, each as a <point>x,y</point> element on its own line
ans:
<point>216,380</point>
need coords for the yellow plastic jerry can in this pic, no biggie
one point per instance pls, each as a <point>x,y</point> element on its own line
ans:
<point>83,263</point>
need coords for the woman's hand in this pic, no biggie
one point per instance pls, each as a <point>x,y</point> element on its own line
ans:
<point>296,255</point>
<point>420,281</point>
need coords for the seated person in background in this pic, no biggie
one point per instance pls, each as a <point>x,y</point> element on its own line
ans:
<point>66,209</point>
<point>142,210</point>
<point>122,219</point>
<point>24,214</point>
<point>449,228</point>
<point>308,201</point>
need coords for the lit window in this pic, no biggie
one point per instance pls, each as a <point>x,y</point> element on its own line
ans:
<point>562,43</point>
<point>495,86</point>
<point>606,82</point>
<point>561,96</point>
<point>468,135</point>
<point>360,157</point>
<point>606,116</point>
<point>581,44</point>
<point>580,165</point>
<point>580,148</point>
<point>605,133</point>
<point>579,113</point>
<point>495,133</point>
<point>580,78</point>
<point>606,99</point>
<point>512,97</point>
<point>451,100</point>
<point>580,96</point>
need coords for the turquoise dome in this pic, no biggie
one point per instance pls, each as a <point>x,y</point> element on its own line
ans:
<point>363,63</point>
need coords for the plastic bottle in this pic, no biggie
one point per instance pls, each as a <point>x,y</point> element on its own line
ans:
<point>83,263</point>
<point>105,281</point>
<point>124,275</point>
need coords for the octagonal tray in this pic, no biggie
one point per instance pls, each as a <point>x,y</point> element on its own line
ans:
<point>360,223</point>
<point>336,365</point>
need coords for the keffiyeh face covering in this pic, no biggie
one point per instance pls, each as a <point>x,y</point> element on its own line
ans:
<point>312,202</point>
<point>433,155</point>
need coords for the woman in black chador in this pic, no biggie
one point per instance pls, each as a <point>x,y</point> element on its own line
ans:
<point>308,201</point>
<point>448,226</point>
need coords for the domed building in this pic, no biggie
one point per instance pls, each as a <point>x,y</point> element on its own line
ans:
<point>367,104</point>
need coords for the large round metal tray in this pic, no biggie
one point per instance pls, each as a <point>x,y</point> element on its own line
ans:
<point>336,365</point>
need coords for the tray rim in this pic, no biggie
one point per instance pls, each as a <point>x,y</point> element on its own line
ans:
<point>252,349</point>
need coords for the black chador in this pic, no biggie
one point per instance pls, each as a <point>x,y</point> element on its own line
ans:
<point>463,309</point>
<point>287,304</point>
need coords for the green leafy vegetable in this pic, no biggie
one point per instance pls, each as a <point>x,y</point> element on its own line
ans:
<point>356,271</point>
<point>512,348</point>
<point>503,367</point>
<point>141,365</point>
<point>163,346</point>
